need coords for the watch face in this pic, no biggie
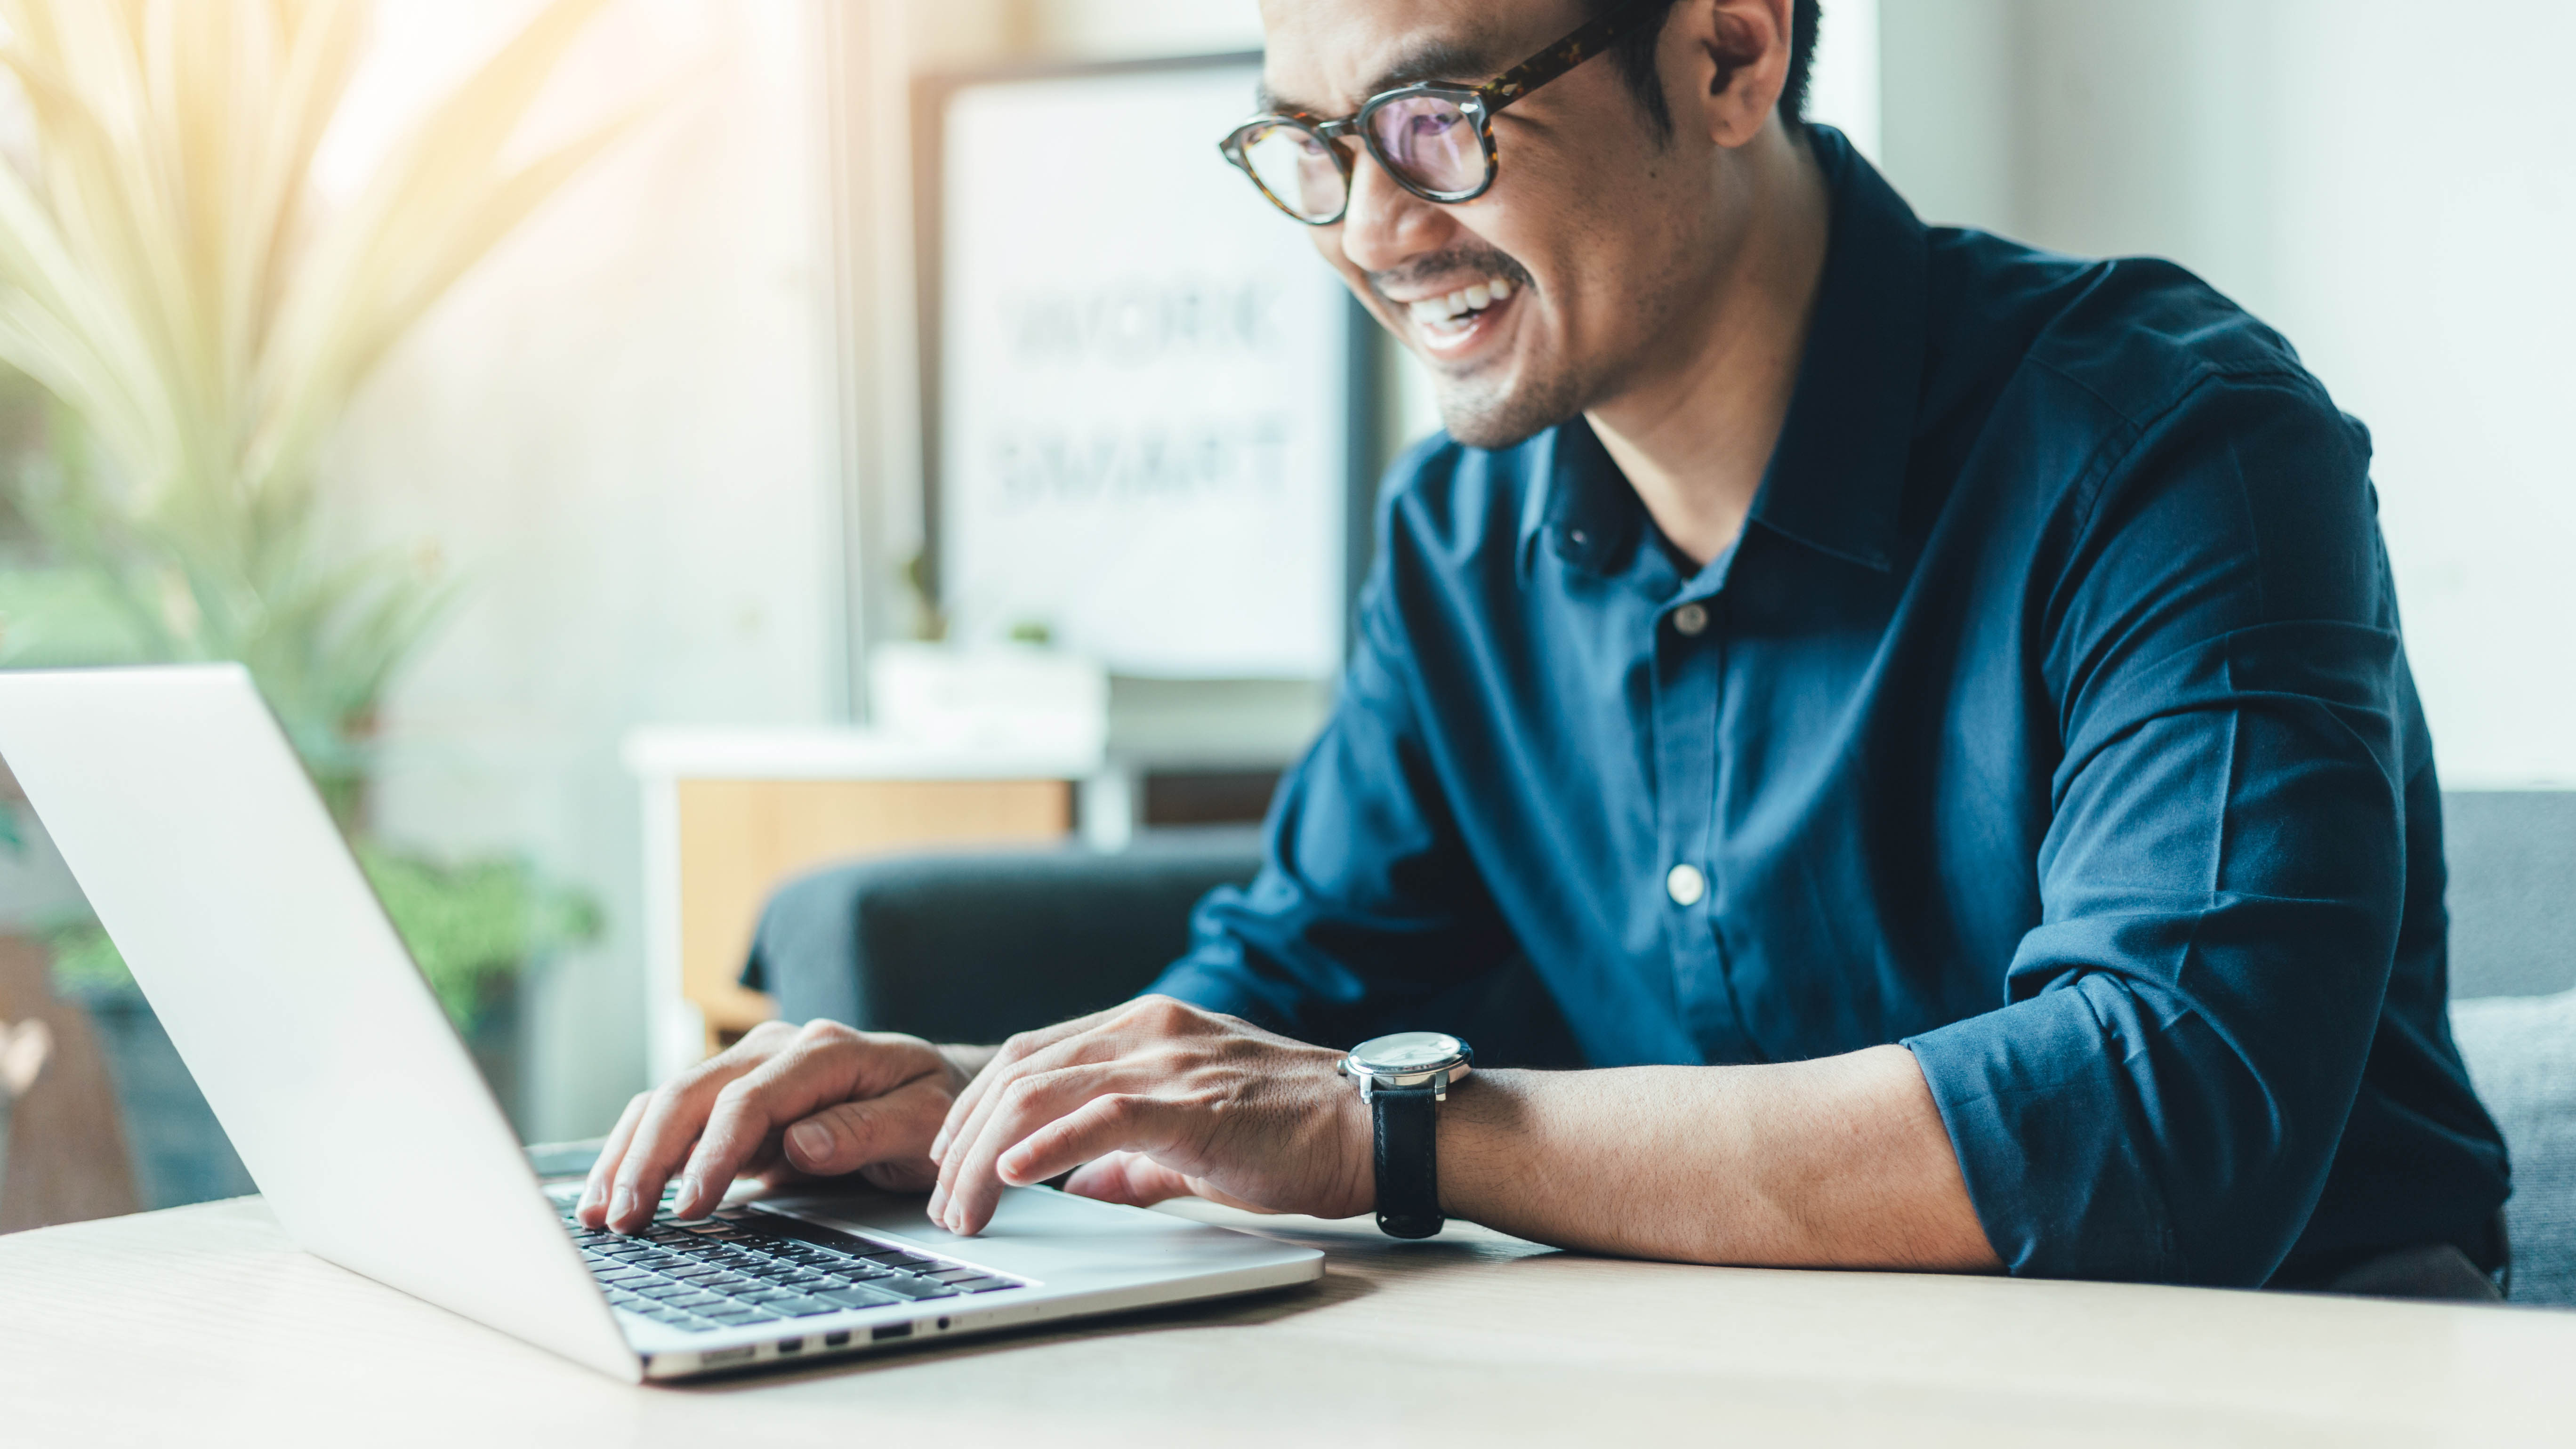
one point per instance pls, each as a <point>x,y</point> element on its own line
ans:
<point>1409,1051</point>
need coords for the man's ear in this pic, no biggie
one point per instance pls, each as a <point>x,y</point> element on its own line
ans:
<point>1736,59</point>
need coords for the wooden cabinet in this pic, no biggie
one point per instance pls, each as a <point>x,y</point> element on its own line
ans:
<point>731,815</point>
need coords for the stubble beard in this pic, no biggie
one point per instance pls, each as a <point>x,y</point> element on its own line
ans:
<point>1491,405</point>
<point>1494,409</point>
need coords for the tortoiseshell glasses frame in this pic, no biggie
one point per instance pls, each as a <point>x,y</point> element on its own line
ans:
<point>1292,146</point>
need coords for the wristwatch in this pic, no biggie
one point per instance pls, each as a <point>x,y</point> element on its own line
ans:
<point>1404,1078</point>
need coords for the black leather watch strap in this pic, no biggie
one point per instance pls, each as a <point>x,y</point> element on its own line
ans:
<point>1407,1124</point>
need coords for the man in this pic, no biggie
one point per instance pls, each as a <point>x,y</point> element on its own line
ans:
<point>1931,713</point>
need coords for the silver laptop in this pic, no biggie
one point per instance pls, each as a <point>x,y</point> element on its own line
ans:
<point>209,857</point>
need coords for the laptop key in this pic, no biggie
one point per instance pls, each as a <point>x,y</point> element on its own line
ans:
<point>914,1287</point>
<point>856,1297</point>
<point>980,1285</point>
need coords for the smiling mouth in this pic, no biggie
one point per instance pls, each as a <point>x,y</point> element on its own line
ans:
<point>1456,314</point>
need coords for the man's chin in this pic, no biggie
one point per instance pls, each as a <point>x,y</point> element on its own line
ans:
<point>1506,416</point>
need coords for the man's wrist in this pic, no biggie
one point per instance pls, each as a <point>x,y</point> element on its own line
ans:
<point>1359,1145</point>
<point>1479,1128</point>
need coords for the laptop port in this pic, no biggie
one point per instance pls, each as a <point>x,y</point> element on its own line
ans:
<point>791,1345</point>
<point>891,1330</point>
<point>837,1340</point>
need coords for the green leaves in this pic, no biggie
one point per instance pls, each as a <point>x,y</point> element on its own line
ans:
<point>472,925</point>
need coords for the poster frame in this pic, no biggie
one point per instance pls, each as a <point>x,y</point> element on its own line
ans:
<point>1362,395</point>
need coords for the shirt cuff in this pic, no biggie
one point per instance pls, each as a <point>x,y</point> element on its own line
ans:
<point>2046,1126</point>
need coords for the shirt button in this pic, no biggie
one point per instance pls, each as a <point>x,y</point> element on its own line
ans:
<point>1688,621</point>
<point>1685,885</point>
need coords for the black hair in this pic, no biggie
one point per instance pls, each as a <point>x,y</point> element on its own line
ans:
<point>1635,57</point>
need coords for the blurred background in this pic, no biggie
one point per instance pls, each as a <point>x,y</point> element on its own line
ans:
<point>561,406</point>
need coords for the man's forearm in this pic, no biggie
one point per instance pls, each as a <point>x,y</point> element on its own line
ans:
<point>1840,1163</point>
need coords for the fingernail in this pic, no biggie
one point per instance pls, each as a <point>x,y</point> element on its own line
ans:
<point>810,1140</point>
<point>939,1145</point>
<point>590,1196</point>
<point>622,1203</point>
<point>685,1196</point>
<point>938,1202</point>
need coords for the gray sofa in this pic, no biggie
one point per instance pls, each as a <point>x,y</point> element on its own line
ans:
<point>975,946</point>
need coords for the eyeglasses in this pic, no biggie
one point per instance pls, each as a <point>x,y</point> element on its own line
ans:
<point>1435,139</point>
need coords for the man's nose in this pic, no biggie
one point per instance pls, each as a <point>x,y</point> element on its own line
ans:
<point>1386,225</point>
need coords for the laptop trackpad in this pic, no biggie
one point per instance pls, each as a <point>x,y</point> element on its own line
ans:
<point>1055,1238</point>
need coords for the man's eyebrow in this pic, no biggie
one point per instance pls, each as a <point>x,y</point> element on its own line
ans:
<point>1428,60</point>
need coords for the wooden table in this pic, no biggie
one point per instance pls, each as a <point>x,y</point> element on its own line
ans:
<point>202,1326</point>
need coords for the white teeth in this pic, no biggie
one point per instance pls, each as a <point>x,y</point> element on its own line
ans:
<point>1472,298</point>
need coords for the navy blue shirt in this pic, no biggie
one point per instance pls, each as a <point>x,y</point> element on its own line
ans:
<point>2049,717</point>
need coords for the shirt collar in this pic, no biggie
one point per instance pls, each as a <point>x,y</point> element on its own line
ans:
<point>1836,475</point>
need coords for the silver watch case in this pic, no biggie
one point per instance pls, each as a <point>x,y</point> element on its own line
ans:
<point>1408,1059</point>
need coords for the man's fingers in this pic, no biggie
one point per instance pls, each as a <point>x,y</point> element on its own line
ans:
<point>1014,1051</point>
<point>826,1064</point>
<point>1131,1178</point>
<point>1106,1123</point>
<point>671,1122</point>
<point>1002,1087</point>
<point>1062,1119</point>
<point>592,1210</point>
<point>738,1125</point>
<point>853,1135</point>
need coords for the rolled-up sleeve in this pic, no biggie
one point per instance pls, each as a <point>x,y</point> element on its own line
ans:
<point>1367,902</point>
<point>2183,1035</point>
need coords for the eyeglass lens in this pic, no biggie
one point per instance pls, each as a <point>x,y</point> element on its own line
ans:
<point>1429,143</point>
<point>1297,168</point>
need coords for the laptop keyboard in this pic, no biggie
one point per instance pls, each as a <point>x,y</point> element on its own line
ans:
<point>742,1267</point>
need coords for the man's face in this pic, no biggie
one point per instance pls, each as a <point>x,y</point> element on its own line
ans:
<point>1597,226</point>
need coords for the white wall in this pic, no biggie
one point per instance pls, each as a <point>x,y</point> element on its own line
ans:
<point>618,432</point>
<point>1123,28</point>
<point>2423,185</point>
<point>2394,192</point>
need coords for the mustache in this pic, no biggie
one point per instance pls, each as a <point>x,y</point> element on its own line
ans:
<point>1481,261</point>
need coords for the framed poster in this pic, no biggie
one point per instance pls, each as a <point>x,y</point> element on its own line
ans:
<point>1145,395</point>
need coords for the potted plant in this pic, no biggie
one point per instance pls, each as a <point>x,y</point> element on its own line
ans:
<point>196,317</point>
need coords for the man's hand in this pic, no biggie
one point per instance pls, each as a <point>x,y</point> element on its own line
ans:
<point>1160,1099</point>
<point>783,1102</point>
